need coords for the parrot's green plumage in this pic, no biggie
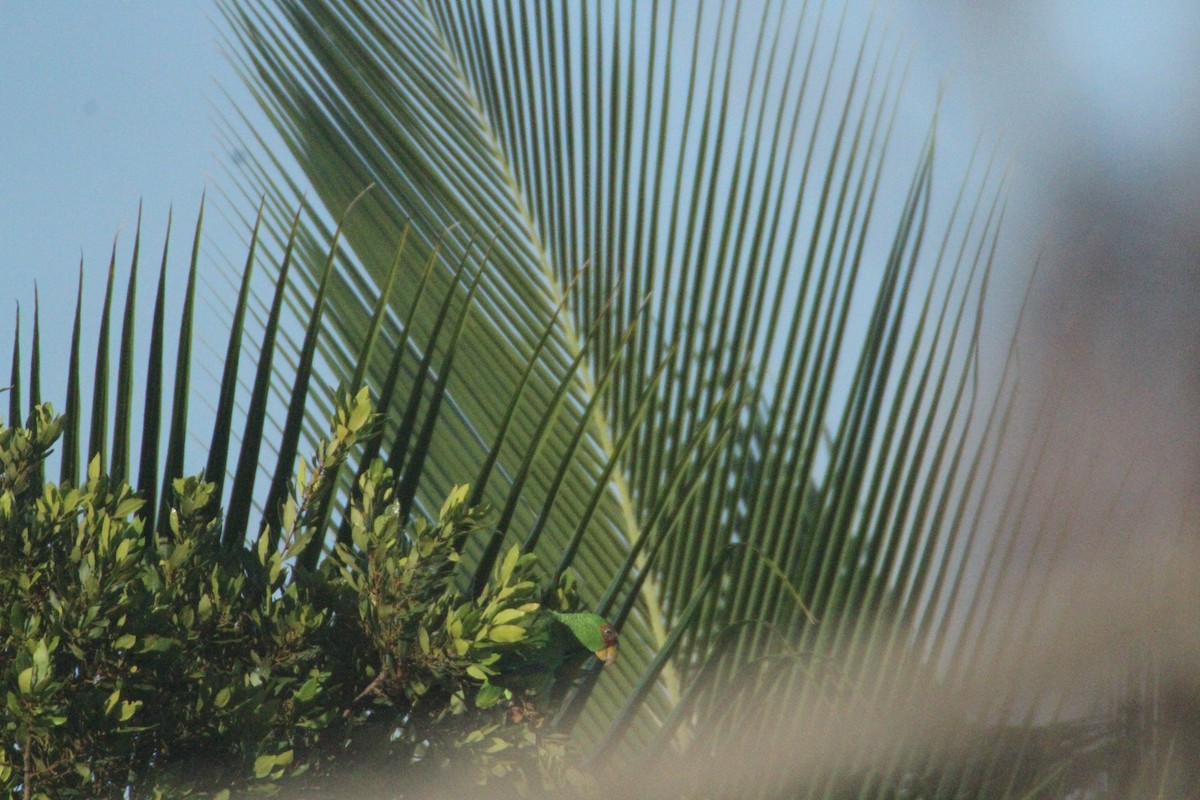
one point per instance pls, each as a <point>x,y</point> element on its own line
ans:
<point>555,646</point>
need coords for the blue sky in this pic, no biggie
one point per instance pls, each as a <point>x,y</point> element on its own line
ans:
<point>103,104</point>
<point>1102,85</point>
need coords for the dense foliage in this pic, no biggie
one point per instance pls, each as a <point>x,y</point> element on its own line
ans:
<point>175,664</point>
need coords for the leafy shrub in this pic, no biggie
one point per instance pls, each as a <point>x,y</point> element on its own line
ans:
<point>177,665</point>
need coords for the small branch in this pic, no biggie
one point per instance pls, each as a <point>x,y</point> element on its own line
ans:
<point>372,688</point>
<point>27,759</point>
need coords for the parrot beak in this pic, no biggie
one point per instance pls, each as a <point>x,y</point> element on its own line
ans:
<point>607,655</point>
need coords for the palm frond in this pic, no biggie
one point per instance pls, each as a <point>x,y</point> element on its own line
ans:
<point>799,374</point>
<point>176,437</point>
<point>119,467</point>
<point>14,382</point>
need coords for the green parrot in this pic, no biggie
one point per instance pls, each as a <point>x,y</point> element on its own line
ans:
<point>555,647</point>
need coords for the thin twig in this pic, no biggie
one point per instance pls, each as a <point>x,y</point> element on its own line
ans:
<point>372,688</point>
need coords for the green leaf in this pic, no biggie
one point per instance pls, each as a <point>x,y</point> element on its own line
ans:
<point>287,514</point>
<point>124,547</point>
<point>308,690</point>
<point>507,615</point>
<point>509,564</point>
<point>41,658</point>
<point>263,547</point>
<point>127,507</point>
<point>488,695</point>
<point>128,709</point>
<point>360,413</point>
<point>506,633</point>
<point>125,641</point>
<point>423,640</point>
<point>453,500</point>
<point>263,765</point>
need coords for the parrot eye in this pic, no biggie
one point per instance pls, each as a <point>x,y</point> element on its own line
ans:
<point>609,633</point>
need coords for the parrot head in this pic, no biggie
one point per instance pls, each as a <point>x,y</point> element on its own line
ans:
<point>593,632</point>
<point>608,652</point>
